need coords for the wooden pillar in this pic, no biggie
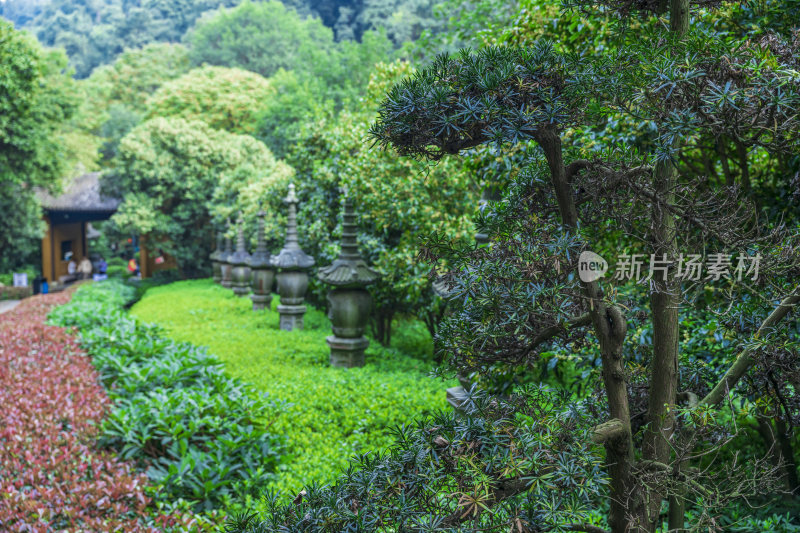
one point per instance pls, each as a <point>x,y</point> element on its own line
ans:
<point>84,244</point>
<point>48,252</point>
<point>144,260</point>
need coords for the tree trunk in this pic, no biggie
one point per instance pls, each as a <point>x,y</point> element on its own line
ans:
<point>383,326</point>
<point>664,306</point>
<point>664,300</point>
<point>610,328</point>
<point>779,447</point>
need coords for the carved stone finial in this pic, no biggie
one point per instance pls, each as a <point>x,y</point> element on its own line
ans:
<point>292,263</point>
<point>349,269</point>
<point>291,257</point>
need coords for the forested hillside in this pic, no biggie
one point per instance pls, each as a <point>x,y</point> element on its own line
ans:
<point>95,32</point>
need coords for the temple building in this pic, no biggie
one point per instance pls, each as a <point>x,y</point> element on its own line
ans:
<point>68,216</point>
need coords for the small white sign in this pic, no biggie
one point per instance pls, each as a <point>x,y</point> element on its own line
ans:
<point>20,279</point>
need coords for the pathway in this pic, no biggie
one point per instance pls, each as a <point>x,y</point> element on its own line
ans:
<point>7,305</point>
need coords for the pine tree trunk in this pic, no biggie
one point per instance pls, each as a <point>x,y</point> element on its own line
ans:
<point>664,300</point>
<point>668,321</point>
<point>610,328</point>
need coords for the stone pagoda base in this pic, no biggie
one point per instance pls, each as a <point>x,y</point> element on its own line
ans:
<point>261,301</point>
<point>347,353</point>
<point>240,290</point>
<point>291,316</point>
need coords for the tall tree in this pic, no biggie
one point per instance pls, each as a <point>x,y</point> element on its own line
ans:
<point>174,175</point>
<point>36,98</point>
<point>262,37</point>
<point>531,461</point>
<point>228,99</point>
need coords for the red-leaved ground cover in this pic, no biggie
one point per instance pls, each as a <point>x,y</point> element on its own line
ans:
<point>52,478</point>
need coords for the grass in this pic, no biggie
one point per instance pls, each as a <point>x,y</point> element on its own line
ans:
<point>334,413</point>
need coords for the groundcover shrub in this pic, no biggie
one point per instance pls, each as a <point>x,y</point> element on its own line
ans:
<point>201,435</point>
<point>51,477</point>
<point>333,413</point>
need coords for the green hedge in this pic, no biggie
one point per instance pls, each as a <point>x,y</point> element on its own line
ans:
<point>202,435</point>
<point>334,413</point>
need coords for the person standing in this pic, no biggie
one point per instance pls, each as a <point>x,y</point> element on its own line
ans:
<point>85,268</point>
<point>133,267</point>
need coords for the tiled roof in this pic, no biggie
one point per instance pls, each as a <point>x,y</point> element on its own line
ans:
<point>83,194</point>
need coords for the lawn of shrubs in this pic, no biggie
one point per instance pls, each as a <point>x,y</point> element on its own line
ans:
<point>333,413</point>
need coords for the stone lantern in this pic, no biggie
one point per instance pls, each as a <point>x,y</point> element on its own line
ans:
<point>349,301</point>
<point>225,266</point>
<point>262,272</point>
<point>291,264</point>
<point>240,275</point>
<point>216,266</point>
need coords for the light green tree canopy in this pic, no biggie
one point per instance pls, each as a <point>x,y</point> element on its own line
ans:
<point>35,98</point>
<point>114,96</point>
<point>261,37</point>
<point>135,75</point>
<point>224,98</point>
<point>265,37</point>
<point>174,174</point>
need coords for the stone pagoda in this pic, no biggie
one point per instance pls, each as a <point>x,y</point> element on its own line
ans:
<point>240,274</point>
<point>349,301</point>
<point>263,273</point>
<point>292,264</point>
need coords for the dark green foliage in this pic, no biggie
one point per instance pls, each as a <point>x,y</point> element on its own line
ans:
<point>500,95</point>
<point>524,286</point>
<point>515,298</point>
<point>120,121</point>
<point>284,114</point>
<point>33,101</point>
<point>35,98</point>
<point>94,33</point>
<point>202,436</point>
<point>20,240</point>
<point>453,473</point>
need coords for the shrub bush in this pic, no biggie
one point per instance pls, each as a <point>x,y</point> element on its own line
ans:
<point>115,271</point>
<point>202,435</point>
